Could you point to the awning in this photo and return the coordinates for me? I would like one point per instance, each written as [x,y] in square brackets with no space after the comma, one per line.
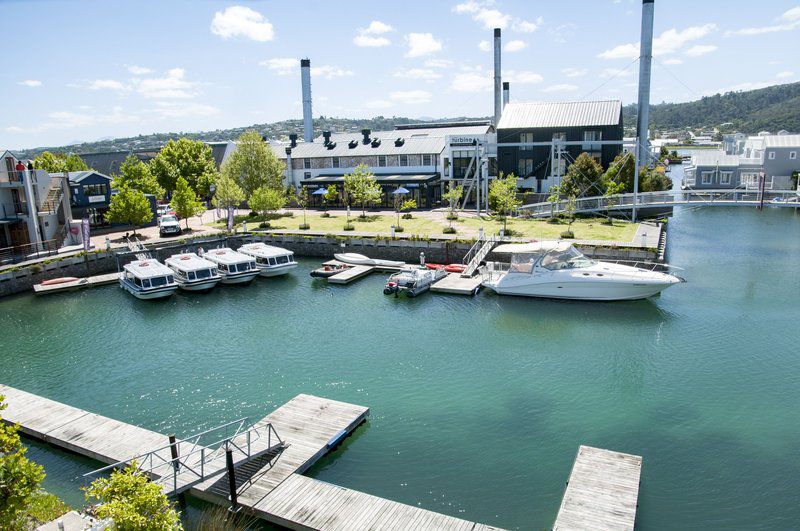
[395,179]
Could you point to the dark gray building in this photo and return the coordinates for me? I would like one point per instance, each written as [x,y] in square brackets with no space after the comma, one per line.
[587,122]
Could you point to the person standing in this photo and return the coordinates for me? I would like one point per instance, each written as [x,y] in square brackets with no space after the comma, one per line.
[20,167]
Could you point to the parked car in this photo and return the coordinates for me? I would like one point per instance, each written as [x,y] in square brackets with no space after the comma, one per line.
[162,209]
[168,224]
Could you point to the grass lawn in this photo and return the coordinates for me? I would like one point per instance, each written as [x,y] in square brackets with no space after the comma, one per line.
[467,227]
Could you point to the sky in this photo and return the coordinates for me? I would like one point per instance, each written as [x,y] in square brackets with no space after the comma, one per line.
[88,70]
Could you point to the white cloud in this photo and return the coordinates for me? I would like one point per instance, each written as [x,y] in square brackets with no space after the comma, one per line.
[14,129]
[330,72]
[673,62]
[524,26]
[426,74]
[485,46]
[30,83]
[106,84]
[241,21]
[410,96]
[420,44]
[472,80]
[523,77]
[139,70]
[668,42]
[283,66]
[788,21]
[700,49]
[172,109]
[615,72]
[492,18]
[784,74]
[564,87]
[366,37]
[515,46]
[563,32]
[173,85]
[574,72]
[483,12]
[379,104]
[438,63]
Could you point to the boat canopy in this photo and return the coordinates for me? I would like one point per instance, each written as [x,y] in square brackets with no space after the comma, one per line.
[227,256]
[262,250]
[147,269]
[189,262]
[533,247]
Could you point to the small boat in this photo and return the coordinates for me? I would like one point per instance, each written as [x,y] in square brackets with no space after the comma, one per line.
[329,270]
[434,266]
[193,273]
[62,280]
[412,280]
[360,259]
[148,279]
[455,268]
[234,268]
[557,270]
[271,261]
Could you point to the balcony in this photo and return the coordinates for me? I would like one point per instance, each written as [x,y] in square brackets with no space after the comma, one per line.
[11,210]
[13,178]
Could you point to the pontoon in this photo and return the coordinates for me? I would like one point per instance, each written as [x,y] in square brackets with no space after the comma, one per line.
[193,273]
[271,261]
[148,279]
[234,268]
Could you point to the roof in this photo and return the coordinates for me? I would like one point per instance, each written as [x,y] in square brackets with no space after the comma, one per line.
[148,268]
[533,247]
[782,141]
[226,255]
[108,162]
[561,114]
[189,262]
[78,176]
[262,250]
[381,179]
[714,158]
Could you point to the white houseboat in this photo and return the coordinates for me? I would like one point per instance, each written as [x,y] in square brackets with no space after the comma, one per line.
[271,261]
[234,267]
[148,279]
[193,273]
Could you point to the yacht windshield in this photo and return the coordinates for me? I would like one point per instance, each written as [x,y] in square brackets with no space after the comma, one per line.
[570,258]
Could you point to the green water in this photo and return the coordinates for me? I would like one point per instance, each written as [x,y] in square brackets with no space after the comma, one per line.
[478,404]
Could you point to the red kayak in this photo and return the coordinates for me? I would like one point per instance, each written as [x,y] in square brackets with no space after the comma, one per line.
[434,266]
[62,280]
[455,268]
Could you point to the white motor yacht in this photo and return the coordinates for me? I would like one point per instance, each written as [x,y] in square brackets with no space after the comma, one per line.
[148,279]
[193,273]
[555,269]
[234,268]
[271,261]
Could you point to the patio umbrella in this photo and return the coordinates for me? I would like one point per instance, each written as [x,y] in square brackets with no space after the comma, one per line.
[399,191]
[319,191]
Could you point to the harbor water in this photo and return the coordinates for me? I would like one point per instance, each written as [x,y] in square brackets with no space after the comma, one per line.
[478,404]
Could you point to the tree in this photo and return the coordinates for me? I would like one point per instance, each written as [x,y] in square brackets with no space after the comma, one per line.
[129,206]
[362,187]
[453,197]
[331,194]
[133,502]
[584,176]
[190,159]
[503,196]
[185,201]
[265,200]
[137,175]
[254,165]
[19,477]
[407,206]
[227,193]
[620,172]
[59,162]
[653,180]
[303,199]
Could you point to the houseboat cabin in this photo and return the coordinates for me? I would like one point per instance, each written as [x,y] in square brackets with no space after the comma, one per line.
[148,279]
[270,261]
[193,273]
[234,268]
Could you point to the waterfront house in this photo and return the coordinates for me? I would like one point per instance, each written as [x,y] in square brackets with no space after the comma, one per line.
[90,196]
[587,122]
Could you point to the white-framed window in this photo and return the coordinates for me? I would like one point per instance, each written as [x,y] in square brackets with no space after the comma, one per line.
[382,161]
[426,159]
[334,162]
[526,137]
[592,136]
[725,177]
[793,155]
[307,164]
[749,180]
[771,155]
[707,177]
[403,160]
[524,167]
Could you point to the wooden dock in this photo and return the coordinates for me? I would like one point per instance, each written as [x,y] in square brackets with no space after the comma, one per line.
[602,491]
[81,283]
[456,284]
[349,275]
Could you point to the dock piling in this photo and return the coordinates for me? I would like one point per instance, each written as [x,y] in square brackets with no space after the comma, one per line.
[231,479]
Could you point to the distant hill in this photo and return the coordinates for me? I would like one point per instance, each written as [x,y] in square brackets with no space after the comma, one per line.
[767,109]
[273,131]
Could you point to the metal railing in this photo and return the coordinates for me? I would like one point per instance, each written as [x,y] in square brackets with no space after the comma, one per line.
[13,176]
[11,210]
[29,251]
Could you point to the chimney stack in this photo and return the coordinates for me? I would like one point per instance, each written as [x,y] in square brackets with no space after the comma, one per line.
[308,119]
[366,133]
[645,63]
[505,93]
[498,105]
[327,136]
[293,140]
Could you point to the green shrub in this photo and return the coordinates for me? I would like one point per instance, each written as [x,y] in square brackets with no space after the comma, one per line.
[408,216]
[325,215]
[35,268]
[399,229]
[304,226]
[349,226]
[568,234]
[449,230]
[452,217]
[252,214]
[263,225]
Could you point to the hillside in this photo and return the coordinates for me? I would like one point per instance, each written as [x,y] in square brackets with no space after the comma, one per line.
[771,109]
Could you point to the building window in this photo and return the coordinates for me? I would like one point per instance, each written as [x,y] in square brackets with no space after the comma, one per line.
[708,177]
[95,189]
[725,177]
[526,137]
[382,161]
[592,136]
[771,155]
[307,164]
[749,180]
[793,155]
[427,160]
[524,167]
[307,175]
[403,160]
[334,162]
[562,137]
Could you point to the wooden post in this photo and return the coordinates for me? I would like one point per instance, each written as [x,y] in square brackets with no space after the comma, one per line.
[231,479]
[173,450]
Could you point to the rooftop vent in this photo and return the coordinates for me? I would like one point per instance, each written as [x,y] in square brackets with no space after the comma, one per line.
[376,142]
[331,145]
[327,136]
[352,144]
[366,133]
[399,142]
[293,140]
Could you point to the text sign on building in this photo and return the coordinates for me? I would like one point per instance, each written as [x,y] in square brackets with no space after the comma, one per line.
[464,140]
[96,198]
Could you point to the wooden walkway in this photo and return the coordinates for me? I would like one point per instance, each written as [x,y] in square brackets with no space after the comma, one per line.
[602,492]
[349,275]
[456,284]
[81,283]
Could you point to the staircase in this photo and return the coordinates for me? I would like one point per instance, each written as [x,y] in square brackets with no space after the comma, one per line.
[138,248]
[476,254]
[52,201]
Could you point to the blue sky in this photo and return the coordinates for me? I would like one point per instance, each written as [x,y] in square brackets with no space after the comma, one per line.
[80,71]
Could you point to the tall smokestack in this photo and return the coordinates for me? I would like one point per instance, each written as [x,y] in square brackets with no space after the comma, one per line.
[645,63]
[308,119]
[498,103]
[505,93]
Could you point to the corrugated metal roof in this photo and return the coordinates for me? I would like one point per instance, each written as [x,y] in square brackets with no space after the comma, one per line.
[78,176]
[561,114]
[714,158]
[782,141]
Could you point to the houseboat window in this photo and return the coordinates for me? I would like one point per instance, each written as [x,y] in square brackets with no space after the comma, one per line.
[145,283]
[223,267]
[725,177]
[191,275]
[307,164]
[95,189]
[203,273]
[523,262]
[334,162]
[793,155]
[426,160]
[137,281]
[252,265]
[272,261]
[708,177]
[283,259]
[159,281]
[403,160]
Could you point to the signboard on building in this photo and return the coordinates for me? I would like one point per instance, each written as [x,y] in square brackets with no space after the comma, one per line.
[96,198]
[85,234]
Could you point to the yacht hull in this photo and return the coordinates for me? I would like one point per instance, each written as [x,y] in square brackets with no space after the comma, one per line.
[239,278]
[151,294]
[606,291]
[274,271]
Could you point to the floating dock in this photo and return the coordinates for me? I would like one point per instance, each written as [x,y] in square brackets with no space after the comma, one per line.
[81,283]
[456,284]
[350,274]
[602,491]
